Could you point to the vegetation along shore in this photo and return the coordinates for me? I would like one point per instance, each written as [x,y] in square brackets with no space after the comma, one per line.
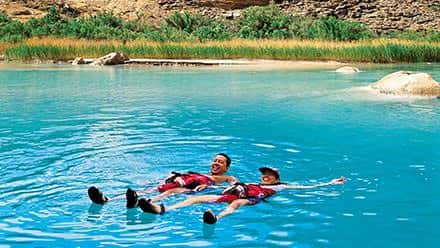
[259,33]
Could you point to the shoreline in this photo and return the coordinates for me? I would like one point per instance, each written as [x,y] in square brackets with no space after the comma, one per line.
[210,63]
[235,63]
[239,64]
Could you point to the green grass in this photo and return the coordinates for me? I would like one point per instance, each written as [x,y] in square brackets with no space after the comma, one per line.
[382,51]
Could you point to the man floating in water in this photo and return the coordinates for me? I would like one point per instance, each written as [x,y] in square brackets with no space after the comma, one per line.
[176,184]
[240,194]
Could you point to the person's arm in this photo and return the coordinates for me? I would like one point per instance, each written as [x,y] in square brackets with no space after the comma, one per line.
[217,179]
[200,187]
[335,181]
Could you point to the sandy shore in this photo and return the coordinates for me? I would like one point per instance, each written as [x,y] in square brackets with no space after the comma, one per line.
[257,64]
[237,63]
[279,64]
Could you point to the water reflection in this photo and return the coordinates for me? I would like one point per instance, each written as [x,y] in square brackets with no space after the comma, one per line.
[135,217]
[208,231]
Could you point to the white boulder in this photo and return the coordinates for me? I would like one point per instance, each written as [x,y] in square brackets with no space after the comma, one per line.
[348,69]
[115,58]
[408,83]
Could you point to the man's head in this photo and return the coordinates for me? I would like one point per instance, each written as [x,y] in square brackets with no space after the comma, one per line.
[269,175]
[220,164]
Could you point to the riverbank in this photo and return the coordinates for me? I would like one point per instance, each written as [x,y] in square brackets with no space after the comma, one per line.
[229,64]
[371,51]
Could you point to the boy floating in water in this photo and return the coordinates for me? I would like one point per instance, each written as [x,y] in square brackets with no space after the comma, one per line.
[238,195]
[176,184]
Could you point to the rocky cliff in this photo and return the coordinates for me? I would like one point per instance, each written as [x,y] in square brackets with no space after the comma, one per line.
[379,15]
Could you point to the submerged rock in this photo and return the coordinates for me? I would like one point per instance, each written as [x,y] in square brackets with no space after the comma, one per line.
[115,58]
[408,83]
[79,61]
[348,69]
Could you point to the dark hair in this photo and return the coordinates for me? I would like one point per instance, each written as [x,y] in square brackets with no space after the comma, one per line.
[228,159]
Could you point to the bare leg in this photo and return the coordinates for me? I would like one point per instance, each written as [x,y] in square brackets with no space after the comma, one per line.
[145,191]
[232,207]
[151,207]
[210,218]
[194,200]
[169,192]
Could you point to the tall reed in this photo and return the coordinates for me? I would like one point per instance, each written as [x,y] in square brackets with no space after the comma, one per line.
[378,51]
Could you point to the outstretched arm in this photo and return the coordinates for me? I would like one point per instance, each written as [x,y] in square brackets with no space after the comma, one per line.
[218,179]
[335,181]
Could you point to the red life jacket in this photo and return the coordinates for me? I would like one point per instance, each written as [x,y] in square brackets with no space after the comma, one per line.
[245,191]
[255,190]
[188,180]
[196,178]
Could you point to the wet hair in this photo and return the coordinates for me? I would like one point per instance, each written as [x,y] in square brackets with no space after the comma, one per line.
[228,159]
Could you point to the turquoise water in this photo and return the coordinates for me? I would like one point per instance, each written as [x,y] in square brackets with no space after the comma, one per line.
[63,129]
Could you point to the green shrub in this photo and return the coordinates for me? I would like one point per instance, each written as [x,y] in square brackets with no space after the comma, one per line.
[214,30]
[4,18]
[52,24]
[11,30]
[264,22]
[168,33]
[433,36]
[330,28]
[271,22]
[184,21]
[53,16]
[267,22]
[197,26]
[430,35]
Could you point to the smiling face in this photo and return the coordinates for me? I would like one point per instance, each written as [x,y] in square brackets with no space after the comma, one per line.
[268,178]
[219,165]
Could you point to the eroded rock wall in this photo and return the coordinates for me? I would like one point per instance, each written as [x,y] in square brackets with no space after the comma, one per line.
[379,15]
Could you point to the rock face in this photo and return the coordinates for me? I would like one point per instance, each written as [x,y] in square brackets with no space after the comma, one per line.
[348,69]
[380,15]
[115,58]
[408,83]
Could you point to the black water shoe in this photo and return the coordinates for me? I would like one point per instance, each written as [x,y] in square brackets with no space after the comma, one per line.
[96,196]
[132,198]
[209,217]
[148,207]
